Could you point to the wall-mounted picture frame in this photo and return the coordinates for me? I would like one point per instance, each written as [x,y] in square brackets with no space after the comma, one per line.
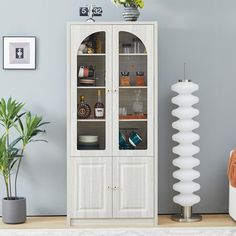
[19,52]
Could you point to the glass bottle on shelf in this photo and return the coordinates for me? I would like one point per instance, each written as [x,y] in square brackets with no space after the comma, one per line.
[125,79]
[138,104]
[99,109]
[137,45]
[99,43]
[126,47]
[140,80]
[84,109]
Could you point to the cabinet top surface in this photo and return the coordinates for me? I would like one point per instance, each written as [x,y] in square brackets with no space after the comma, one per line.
[113,23]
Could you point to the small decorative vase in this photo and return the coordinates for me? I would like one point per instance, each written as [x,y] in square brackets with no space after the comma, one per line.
[131,13]
[14,210]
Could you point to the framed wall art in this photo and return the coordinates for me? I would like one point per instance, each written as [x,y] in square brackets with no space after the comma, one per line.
[19,52]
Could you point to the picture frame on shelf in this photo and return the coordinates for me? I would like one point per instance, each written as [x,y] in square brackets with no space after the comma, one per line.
[19,52]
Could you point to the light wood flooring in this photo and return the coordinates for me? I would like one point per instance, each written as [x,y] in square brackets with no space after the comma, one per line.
[59,222]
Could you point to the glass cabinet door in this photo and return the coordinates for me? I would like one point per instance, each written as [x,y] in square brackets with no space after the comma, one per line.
[91,118]
[133,86]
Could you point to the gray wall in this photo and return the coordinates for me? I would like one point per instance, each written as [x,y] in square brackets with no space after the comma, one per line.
[201,33]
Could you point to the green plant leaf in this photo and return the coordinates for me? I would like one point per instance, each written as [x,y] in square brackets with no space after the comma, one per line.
[13,143]
[9,112]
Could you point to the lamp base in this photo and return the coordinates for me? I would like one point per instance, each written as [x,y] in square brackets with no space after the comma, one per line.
[186,216]
[182,219]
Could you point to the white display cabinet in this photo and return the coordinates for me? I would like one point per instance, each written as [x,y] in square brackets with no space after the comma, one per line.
[112,159]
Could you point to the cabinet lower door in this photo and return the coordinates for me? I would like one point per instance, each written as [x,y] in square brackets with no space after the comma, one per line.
[133,182]
[91,182]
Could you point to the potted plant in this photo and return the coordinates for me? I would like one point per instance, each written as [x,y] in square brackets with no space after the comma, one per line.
[131,12]
[19,128]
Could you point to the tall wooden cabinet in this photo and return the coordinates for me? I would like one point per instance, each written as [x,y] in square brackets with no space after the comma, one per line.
[112,150]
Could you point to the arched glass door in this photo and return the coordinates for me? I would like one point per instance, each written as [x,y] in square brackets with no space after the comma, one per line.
[90,83]
[132,93]
[133,85]
[91,93]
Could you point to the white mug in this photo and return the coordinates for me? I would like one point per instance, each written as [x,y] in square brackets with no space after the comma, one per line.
[81,72]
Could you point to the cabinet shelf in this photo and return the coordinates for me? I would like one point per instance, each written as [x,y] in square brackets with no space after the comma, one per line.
[133,120]
[92,54]
[133,87]
[133,54]
[91,87]
[91,120]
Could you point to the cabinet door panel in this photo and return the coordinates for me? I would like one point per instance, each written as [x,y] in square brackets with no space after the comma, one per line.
[133,194]
[90,181]
[134,84]
[83,121]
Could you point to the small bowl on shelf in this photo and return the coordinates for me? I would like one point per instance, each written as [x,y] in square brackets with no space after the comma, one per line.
[88,142]
[88,138]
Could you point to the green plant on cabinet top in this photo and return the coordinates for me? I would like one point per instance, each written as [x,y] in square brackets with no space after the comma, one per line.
[137,3]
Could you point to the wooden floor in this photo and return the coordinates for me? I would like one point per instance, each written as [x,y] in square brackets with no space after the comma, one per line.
[208,220]
[164,221]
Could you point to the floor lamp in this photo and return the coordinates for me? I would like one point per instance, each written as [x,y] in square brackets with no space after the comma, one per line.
[185,150]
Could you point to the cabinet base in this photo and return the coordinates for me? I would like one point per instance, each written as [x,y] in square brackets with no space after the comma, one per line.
[112,222]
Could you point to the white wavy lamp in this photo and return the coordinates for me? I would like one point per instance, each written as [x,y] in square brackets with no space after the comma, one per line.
[185,150]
